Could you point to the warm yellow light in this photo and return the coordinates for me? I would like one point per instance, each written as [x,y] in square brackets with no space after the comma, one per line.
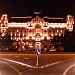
[11,38]
[61,31]
[52,34]
[19,37]
[19,34]
[57,31]
[15,34]
[17,30]
[15,38]
[23,38]
[11,34]
[59,34]
[23,34]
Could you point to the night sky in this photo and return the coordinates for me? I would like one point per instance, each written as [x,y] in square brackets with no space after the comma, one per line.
[47,7]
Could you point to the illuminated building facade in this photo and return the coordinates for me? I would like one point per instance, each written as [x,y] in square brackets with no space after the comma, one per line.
[36,32]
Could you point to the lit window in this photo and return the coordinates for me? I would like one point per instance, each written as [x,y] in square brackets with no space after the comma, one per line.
[23,34]
[52,34]
[19,37]
[57,31]
[15,38]
[17,30]
[11,34]
[23,38]
[11,38]
[15,34]
[19,34]
[61,31]
[59,34]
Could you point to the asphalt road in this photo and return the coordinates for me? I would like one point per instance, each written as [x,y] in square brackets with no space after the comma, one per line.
[6,69]
[49,64]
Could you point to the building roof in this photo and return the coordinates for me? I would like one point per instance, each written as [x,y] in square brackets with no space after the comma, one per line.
[20,19]
[57,20]
[29,19]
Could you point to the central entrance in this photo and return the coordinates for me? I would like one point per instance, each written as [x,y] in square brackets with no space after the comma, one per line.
[37,45]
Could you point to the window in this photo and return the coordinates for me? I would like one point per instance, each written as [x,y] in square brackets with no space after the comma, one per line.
[13,35]
[21,35]
[9,31]
[57,31]
[61,31]
[25,35]
[45,45]
[21,31]
[30,31]
[17,30]
[45,38]
[30,37]
[45,31]
[2,30]
[13,31]
[25,31]
[50,31]
[53,31]
[3,25]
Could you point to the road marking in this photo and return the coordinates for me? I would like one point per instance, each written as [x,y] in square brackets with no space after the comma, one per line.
[12,67]
[19,63]
[47,65]
[68,69]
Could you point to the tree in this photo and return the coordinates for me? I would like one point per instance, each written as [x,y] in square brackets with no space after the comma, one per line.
[5,41]
[57,42]
[65,41]
[69,41]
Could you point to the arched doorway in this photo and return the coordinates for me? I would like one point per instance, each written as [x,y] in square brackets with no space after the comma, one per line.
[37,45]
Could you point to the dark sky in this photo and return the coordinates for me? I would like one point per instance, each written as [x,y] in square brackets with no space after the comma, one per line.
[47,7]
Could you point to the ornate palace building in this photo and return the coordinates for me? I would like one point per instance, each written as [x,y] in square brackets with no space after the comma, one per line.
[35,31]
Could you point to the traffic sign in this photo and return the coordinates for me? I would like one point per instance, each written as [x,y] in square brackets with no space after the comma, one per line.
[38,52]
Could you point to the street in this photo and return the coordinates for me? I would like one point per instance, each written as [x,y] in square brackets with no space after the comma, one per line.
[48,64]
[6,69]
